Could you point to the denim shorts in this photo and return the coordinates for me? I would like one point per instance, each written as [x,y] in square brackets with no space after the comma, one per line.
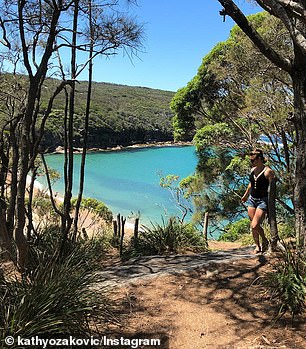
[261,203]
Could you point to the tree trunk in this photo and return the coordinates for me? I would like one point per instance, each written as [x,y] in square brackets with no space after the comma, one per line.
[30,226]
[299,119]
[10,217]
[205,226]
[20,210]
[86,123]
[67,220]
[5,241]
[272,215]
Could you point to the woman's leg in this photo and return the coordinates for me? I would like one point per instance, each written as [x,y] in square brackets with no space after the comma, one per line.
[251,214]
[257,230]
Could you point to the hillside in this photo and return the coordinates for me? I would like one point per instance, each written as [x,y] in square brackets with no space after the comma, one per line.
[121,115]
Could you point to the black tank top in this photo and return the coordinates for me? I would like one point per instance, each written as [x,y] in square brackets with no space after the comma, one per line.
[259,187]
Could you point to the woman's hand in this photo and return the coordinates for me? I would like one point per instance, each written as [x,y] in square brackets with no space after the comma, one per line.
[244,198]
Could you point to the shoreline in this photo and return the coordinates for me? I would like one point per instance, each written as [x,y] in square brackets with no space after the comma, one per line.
[60,149]
[145,221]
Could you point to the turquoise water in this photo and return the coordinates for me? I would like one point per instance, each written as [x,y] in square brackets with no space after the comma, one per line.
[128,181]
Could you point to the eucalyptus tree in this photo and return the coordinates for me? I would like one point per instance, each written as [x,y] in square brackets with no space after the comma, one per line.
[37,38]
[236,97]
[293,16]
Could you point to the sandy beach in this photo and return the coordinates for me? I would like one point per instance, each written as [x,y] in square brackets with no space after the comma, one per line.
[60,149]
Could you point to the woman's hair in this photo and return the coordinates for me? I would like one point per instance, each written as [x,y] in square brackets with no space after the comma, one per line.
[259,153]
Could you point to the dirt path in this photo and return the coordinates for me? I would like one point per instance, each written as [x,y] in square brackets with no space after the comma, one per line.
[199,301]
[142,268]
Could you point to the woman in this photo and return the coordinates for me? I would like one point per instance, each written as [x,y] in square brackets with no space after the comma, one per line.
[256,196]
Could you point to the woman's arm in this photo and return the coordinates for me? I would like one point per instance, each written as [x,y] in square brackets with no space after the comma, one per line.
[246,194]
[270,175]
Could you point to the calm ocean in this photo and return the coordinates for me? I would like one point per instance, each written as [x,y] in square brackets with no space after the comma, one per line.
[127,181]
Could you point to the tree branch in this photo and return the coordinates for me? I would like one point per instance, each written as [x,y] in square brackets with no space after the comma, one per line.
[294,7]
[280,8]
[50,186]
[234,12]
[4,41]
[23,39]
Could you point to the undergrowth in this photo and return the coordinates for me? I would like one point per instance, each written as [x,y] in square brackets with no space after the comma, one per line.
[170,237]
[55,298]
[286,283]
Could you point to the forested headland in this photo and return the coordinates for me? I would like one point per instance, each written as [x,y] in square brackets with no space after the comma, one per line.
[120,115]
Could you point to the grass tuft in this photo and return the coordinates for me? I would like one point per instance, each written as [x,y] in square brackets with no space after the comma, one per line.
[167,238]
[286,283]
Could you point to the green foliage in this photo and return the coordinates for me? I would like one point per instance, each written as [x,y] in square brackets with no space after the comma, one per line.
[286,230]
[230,88]
[55,297]
[246,240]
[286,283]
[96,207]
[239,164]
[285,220]
[54,300]
[234,231]
[120,115]
[187,102]
[169,237]
[237,97]
[211,135]
[180,194]
[89,251]
[43,208]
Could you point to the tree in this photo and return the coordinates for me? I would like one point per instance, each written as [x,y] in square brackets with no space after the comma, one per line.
[236,97]
[292,15]
[35,37]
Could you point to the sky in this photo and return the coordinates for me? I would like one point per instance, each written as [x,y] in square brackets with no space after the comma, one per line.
[177,35]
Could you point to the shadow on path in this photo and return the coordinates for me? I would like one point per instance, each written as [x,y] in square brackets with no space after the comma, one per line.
[148,266]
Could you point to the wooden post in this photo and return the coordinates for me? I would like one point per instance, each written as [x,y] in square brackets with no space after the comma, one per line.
[272,215]
[136,227]
[115,228]
[123,220]
[119,225]
[85,235]
[205,226]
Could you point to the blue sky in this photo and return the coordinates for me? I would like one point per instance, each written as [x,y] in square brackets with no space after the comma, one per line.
[178,34]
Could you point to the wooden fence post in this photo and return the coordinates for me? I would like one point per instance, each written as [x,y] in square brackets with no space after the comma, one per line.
[115,228]
[136,229]
[119,225]
[272,215]
[123,220]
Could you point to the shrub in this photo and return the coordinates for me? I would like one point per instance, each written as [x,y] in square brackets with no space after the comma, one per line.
[55,299]
[96,207]
[234,231]
[89,251]
[43,208]
[286,283]
[286,230]
[169,237]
